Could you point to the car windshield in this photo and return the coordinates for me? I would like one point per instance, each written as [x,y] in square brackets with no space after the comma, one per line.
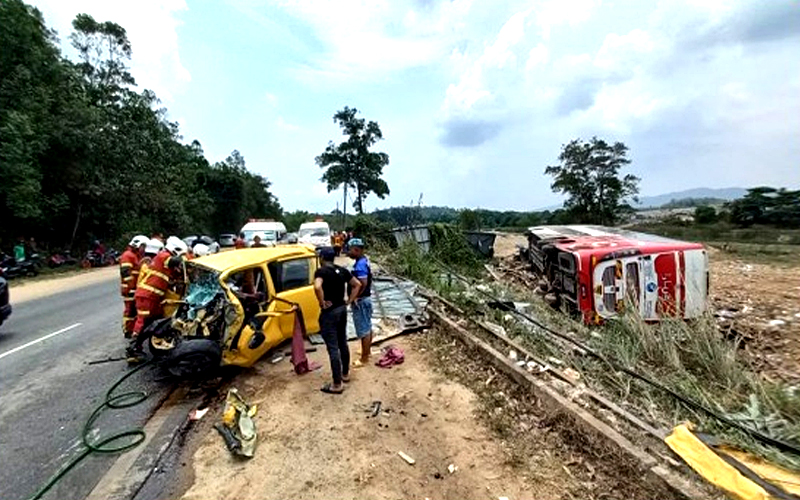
[316,231]
[203,285]
[268,235]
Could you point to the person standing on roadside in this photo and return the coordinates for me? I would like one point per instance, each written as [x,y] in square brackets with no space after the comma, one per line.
[129,264]
[361,307]
[330,281]
[258,241]
[239,243]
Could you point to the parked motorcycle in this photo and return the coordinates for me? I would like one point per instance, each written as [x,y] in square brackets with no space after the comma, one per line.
[13,269]
[60,259]
[96,259]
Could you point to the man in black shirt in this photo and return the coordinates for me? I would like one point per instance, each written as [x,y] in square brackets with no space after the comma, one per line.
[329,285]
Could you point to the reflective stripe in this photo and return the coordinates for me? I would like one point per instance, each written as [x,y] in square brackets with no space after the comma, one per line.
[127,318]
[159,274]
[127,299]
[126,264]
[143,313]
[134,272]
[127,278]
[149,288]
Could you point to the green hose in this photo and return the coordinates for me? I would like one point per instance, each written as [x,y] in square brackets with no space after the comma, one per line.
[132,437]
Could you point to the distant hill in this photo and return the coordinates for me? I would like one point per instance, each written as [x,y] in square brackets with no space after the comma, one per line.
[725,194]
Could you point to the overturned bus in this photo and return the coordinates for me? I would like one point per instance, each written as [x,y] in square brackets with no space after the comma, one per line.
[599,271]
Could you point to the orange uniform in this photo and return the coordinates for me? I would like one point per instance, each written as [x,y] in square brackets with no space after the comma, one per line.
[129,275]
[163,270]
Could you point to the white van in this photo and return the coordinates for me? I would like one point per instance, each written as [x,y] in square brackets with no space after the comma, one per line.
[272,231]
[316,233]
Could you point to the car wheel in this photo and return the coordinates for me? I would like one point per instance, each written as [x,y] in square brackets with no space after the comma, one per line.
[194,358]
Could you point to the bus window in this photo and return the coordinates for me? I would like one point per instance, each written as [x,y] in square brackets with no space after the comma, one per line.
[632,288]
[609,289]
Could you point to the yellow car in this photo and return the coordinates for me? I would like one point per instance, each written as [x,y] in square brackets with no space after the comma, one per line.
[236,306]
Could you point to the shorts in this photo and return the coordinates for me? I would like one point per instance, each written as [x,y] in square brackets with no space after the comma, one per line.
[362,316]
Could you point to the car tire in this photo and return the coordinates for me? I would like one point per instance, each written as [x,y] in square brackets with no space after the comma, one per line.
[194,358]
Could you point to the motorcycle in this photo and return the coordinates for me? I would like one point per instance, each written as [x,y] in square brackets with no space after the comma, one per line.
[59,259]
[96,259]
[13,269]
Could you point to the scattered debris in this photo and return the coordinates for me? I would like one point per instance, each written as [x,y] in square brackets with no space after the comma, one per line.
[512,354]
[452,468]
[238,428]
[497,329]
[107,360]
[407,458]
[375,409]
[571,374]
[198,413]
[276,359]
[391,355]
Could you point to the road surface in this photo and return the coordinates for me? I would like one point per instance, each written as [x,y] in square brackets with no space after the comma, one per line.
[47,389]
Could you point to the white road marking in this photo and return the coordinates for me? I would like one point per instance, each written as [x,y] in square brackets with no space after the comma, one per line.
[40,339]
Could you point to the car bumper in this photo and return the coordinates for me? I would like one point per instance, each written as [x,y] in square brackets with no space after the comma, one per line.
[5,312]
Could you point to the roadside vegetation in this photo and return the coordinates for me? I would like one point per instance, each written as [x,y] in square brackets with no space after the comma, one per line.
[85,154]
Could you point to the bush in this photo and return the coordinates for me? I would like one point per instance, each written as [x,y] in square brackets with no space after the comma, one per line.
[705,215]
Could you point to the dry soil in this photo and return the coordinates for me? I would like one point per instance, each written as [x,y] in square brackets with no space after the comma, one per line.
[315,445]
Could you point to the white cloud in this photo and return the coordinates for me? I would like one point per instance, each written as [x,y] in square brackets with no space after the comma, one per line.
[152,30]
[368,40]
[552,14]
[281,123]
[538,56]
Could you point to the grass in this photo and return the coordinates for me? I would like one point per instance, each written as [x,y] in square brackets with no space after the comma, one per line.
[760,253]
[721,232]
[692,358]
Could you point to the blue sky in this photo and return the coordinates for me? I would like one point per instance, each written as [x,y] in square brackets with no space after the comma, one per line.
[475,98]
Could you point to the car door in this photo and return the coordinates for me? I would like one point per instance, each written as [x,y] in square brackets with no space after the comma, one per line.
[256,331]
[293,283]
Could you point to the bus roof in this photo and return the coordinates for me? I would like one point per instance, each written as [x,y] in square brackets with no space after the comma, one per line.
[600,239]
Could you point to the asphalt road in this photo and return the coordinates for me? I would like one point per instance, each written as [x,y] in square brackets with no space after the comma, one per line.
[47,389]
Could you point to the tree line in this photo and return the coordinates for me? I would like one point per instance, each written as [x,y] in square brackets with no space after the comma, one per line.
[85,155]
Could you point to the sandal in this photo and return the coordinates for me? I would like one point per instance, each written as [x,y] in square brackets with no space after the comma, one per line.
[328,389]
[358,364]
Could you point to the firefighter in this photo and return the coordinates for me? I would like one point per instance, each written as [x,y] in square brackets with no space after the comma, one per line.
[150,251]
[129,276]
[163,271]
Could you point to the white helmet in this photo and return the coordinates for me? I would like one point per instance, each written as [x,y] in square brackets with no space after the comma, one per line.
[139,240]
[176,245]
[200,249]
[153,246]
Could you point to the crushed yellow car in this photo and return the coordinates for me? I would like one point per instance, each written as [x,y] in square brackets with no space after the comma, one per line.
[235,307]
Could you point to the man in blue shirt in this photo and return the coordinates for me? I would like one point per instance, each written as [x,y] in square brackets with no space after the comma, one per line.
[361,308]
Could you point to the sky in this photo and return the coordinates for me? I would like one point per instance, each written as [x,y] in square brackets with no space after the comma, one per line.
[474,98]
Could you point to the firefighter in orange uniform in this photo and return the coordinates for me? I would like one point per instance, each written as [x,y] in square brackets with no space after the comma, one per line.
[129,275]
[164,270]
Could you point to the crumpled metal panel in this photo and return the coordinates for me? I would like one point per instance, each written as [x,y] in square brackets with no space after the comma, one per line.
[396,306]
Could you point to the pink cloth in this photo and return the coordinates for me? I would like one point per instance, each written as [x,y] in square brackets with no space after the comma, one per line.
[299,359]
[392,355]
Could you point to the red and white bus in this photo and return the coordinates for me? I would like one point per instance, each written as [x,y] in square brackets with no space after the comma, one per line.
[597,270]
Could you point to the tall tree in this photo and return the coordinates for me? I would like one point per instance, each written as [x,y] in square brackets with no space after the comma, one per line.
[589,174]
[351,164]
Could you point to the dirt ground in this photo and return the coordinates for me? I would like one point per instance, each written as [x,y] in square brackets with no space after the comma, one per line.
[316,445]
[759,304]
